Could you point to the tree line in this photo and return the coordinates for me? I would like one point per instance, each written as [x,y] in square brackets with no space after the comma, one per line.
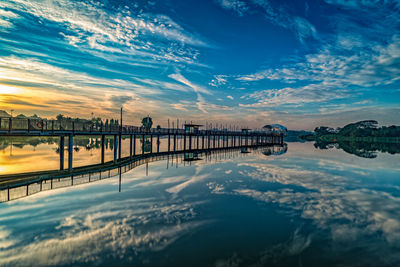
[367,128]
[96,121]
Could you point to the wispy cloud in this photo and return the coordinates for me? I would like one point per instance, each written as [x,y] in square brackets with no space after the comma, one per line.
[240,7]
[199,90]
[6,18]
[281,17]
[218,80]
[278,15]
[120,30]
[347,66]
[294,96]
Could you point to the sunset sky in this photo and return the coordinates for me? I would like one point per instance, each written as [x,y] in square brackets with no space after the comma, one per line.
[298,63]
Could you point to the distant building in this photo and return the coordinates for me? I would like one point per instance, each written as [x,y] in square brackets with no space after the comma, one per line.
[4,114]
[275,128]
[192,128]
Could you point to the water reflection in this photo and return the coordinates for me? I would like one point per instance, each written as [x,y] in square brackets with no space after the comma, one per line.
[361,149]
[306,207]
[275,150]
[29,154]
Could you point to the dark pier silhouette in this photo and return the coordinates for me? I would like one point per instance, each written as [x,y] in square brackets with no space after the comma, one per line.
[195,141]
[210,138]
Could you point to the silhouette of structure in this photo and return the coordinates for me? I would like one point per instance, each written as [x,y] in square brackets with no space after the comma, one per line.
[210,138]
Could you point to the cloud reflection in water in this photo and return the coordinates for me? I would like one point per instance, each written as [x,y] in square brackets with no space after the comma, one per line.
[293,208]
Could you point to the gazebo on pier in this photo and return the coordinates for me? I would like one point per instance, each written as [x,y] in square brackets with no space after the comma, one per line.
[245,130]
[192,128]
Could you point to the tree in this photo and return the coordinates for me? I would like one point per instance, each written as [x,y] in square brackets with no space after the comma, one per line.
[323,130]
[147,122]
[60,117]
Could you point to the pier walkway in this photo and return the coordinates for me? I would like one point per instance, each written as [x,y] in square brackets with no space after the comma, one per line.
[191,133]
[15,186]
[188,142]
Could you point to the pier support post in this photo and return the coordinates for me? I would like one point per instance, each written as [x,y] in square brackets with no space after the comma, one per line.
[169,141]
[190,142]
[143,143]
[120,146]
[103,141]
[151,144]
[174,142]
[115,148]
[61,151]
[70,151]
[158,143]
[134,144]
[130,145]
[202,141]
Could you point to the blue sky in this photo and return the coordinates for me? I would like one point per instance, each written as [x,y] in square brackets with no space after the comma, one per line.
[299,63]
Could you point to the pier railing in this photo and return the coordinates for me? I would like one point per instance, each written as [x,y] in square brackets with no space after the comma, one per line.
[192,138]
[10,125]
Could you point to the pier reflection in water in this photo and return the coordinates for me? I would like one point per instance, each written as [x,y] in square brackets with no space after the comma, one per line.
[306,207]
[28,186]
[28,154]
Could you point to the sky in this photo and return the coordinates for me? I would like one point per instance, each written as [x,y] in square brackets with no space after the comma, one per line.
[298,63]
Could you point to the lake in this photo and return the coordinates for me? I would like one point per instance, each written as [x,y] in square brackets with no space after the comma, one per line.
[305,207]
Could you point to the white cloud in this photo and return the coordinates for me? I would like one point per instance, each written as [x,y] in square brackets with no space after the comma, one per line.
[331,72]
[102,29]
[6,18]
[294,96]
[240,7]
[218,80]
[196,88]
[180,106]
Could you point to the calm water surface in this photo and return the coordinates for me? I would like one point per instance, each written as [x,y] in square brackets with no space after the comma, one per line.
[307,207]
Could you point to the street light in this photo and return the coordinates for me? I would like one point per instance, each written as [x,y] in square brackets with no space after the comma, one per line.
[11,112]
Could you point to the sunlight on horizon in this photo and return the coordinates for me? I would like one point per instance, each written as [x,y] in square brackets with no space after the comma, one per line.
[6,89]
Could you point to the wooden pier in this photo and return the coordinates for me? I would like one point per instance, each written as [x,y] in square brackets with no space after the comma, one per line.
[211,138]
